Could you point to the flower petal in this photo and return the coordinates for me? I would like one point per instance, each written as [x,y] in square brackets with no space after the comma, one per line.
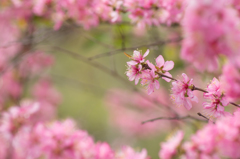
[130,63]
[165,78]
[160,61]
[156,82]
[146,53]
[187,104]
[168,65]
[185,78]
[150,88]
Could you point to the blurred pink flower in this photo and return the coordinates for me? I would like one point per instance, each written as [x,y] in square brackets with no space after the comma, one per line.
[128,153]
[230,80]
[169,148]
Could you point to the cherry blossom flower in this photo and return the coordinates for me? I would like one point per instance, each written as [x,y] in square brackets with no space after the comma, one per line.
[169,148]
[138,57]
[134,72]
[150,78]
[182,93]
[217,100]
[16,118]
[163,67]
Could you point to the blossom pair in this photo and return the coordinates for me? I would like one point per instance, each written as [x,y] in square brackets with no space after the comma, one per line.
[148,72]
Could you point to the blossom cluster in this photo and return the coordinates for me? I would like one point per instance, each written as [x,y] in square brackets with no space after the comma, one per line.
[24,137]
[149,73]
[182,90]
[210,30]
[220,140]
[89,13]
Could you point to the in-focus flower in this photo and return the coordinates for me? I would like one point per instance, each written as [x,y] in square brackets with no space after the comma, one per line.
[182,92]
[163,67]
[138,57]
[134,72]
[150,78]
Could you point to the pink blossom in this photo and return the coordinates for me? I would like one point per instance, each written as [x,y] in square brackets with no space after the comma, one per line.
[16,118]
[220,140]
[210,29]
[182,93]
[230,80]
[138,57]
[169,148]
[44,90]
[202,144]
[128,153]
[163,67]
[134,72]
[150,78]
[217,100]
[135,66]
[103,151]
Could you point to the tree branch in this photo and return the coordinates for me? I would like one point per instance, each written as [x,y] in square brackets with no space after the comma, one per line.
[110,53]
[174,118]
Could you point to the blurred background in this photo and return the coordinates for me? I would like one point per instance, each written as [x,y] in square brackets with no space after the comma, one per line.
[89,72]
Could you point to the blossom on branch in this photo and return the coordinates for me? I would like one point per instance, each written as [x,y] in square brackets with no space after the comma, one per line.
[163,67]
[217,100]
[182,93]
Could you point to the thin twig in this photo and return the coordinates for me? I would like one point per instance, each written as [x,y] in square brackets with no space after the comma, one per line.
[235,104]
[132,48]
[199,89]
[199,114]
[173,118]
[202,90]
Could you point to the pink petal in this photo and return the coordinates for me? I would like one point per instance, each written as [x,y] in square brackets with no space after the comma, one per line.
[130,63]
[156,82]
[192,96]
[168,65]
[150,88]
[224,101]
[185,78]
[146,53]
[167,74]
[187,104]
[160,61]
[207,105]
[137,79]
[151,66]
[220,108]
[136,54]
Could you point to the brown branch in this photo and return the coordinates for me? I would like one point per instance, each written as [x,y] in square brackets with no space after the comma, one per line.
[202,90]
[162,75]
[110,53]
[145,66]
[173,118]
[199,114]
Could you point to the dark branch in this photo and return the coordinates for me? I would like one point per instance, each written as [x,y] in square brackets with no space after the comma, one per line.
[173,118]
[132,48]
